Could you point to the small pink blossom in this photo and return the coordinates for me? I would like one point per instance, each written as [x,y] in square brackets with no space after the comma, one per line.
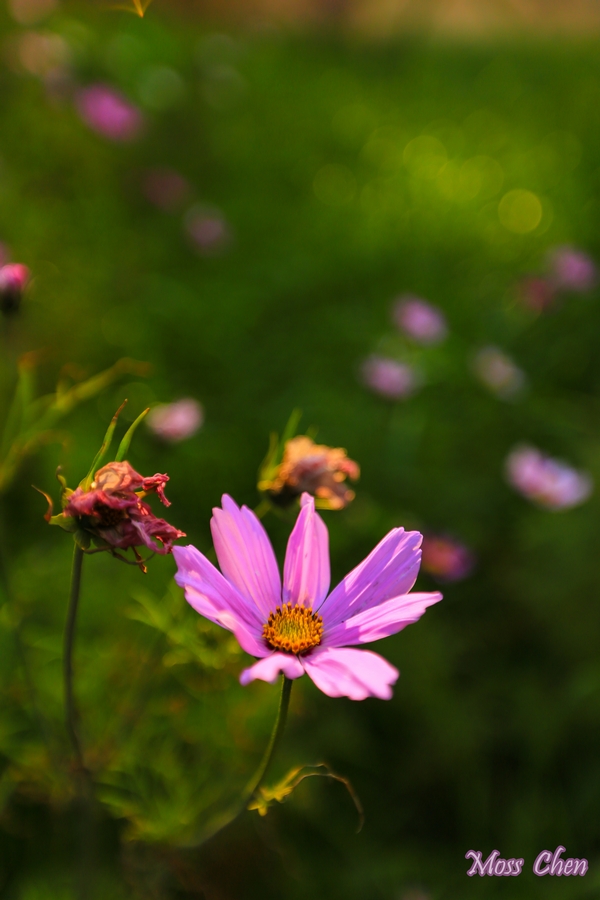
[498,372]
[572,269]
[445,558]
[208,230]
[420,320]
[548,482]
[109,113]
[165,188]
[299,627]
[177,421]
[389,377]
[13,280]
[536,294]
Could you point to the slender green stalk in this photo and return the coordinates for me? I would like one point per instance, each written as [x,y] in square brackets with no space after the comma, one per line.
[278,729]
[257,779]
[71,715]
[262,509]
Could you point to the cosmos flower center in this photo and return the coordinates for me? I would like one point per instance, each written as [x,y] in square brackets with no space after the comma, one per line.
[293,629]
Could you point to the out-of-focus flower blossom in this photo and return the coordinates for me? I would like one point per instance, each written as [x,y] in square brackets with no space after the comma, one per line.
[536,294]
[420,320]
[571,269]
[165,188]
[113,514]
[208,230]
[548,482]
[445,558]
[29,12]
[177,421]
[301,629]
[43,54]
[312,468]
[13,280]
[109,113]
[498,372]
[389,377]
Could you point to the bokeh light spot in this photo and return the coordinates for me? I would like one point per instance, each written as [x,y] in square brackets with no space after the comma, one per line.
[425,156]
[520,211]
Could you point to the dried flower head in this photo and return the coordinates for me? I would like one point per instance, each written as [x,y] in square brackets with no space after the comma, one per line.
[108,510]
[314,469]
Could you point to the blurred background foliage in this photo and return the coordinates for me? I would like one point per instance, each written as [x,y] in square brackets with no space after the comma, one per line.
[334,174]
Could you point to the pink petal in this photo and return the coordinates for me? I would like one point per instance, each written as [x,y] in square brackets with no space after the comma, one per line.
[342,672]
[268,669]
[216,599]
[306,573]
[380,621]
[246,557]
[390,570]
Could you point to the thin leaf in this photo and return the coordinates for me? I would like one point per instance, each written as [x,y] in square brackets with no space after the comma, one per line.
[124,445]
[99,457]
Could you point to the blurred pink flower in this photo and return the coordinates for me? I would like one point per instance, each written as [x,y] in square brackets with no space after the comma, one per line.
[109,113]
[446,559]
[548,482]
[420,320]
[498,372]
[165,188]
[13,280]
[572,269]
[208,230]
[537,294]
[389,377]
[177,421]
[299,627]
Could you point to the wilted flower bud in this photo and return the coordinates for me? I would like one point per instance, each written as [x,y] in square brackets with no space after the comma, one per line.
[312,468]
[547,482]
[420,320]
[445,558]
[13,279]
[108,510]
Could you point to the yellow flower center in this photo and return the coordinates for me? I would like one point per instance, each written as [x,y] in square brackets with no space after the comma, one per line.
[294,629]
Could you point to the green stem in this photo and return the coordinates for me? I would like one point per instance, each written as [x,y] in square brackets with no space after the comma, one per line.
[71,715]
[262,509]
[257,779]
[278,729]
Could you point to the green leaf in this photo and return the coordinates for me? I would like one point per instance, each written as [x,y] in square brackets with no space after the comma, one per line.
[99,458]
[124,445]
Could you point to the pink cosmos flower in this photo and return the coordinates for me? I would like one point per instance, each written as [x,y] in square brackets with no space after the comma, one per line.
[389,377]
[548,482]
[420,320]
[176,421]
[300,628]
[446,559]
[571,269]
[13,280]
[109,113]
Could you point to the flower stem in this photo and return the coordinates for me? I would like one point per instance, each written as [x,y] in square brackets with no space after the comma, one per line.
[71,715]
[278,729]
